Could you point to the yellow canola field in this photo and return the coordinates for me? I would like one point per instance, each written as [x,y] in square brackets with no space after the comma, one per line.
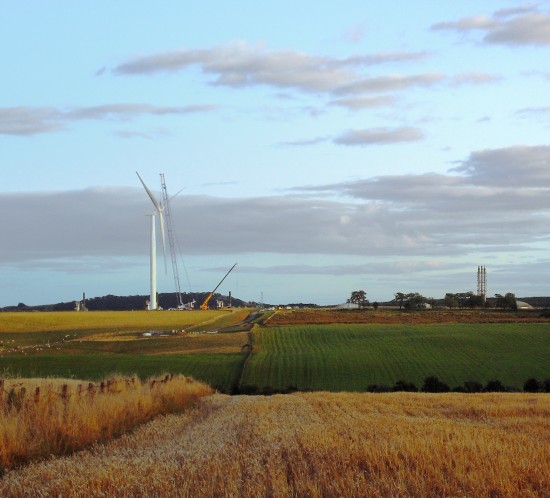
[318,445]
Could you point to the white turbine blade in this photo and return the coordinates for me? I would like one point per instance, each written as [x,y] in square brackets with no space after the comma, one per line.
[162,231]
[153,200]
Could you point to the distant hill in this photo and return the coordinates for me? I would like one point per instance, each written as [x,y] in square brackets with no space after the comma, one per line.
[169,300]
[128,303]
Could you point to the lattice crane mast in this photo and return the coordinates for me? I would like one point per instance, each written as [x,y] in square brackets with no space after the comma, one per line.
[171,239]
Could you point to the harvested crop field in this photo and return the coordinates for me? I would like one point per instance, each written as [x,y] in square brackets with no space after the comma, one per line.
[316,316]
[317,444]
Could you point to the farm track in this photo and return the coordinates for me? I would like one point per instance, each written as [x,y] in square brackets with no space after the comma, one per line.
[316,444]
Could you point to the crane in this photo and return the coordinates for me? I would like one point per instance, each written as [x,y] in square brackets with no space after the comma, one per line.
[171,239]
[204,305]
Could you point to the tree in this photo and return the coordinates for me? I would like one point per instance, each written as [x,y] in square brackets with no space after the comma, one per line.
[494,386]
[532,385]
[402,385]
[399,297]
[432,384]
[359,297]
[463,300]
[451,301]
[473,386]
[415,301]
[508,301]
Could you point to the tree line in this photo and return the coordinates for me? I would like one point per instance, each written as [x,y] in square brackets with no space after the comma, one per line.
[433,384]
[415,300]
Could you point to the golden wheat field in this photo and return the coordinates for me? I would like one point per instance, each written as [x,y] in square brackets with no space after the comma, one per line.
[41,417]
[316,445]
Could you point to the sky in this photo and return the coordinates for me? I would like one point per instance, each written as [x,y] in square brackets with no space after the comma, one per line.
[325,147]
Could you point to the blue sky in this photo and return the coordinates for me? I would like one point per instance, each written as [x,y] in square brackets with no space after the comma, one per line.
[326,148]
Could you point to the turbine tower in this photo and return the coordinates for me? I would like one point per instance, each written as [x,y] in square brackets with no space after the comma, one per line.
[153,304]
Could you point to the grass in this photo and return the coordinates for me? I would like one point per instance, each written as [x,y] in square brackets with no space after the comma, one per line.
[59,422]
[317,444]
[346,357]
[220,370]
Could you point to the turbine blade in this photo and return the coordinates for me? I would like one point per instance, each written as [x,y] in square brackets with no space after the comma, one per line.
[152,197]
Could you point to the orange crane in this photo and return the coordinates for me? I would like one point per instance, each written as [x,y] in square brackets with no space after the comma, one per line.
[204,305]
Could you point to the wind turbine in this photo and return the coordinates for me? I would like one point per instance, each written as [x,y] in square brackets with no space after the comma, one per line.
[153,305]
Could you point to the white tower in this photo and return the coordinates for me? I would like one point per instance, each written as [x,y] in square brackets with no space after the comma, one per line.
[153,305]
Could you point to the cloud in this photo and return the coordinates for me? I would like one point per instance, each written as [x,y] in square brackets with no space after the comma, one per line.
[243,65]
[466,24]
[394,82]
[370,268]
[474,79]
[360,103]
[129,134]
[379,136]
[30,120]
[534,111]
[304,143]
[129,111]
[517,26]
[512,167]
[494,200]
[36,120]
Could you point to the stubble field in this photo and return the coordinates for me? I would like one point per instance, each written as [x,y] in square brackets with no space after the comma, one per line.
[318,445]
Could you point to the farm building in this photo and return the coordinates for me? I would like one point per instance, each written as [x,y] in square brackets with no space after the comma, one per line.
[348,306]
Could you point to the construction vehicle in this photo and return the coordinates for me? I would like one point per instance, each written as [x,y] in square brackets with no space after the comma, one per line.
[204,305]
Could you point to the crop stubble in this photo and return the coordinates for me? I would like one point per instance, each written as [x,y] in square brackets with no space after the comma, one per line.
[317,444]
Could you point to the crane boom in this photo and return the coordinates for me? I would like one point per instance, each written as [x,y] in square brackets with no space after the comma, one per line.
[204,305]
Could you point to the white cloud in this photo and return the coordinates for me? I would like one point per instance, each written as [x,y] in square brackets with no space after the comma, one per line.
[243,65]
[474,79]
[29,120]
[517,26]
[360,103]
[36,120]
[494,200]
[379,136]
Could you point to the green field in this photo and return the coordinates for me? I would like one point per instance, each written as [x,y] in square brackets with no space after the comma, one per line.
[351,357]
[219,370]
[336,357]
